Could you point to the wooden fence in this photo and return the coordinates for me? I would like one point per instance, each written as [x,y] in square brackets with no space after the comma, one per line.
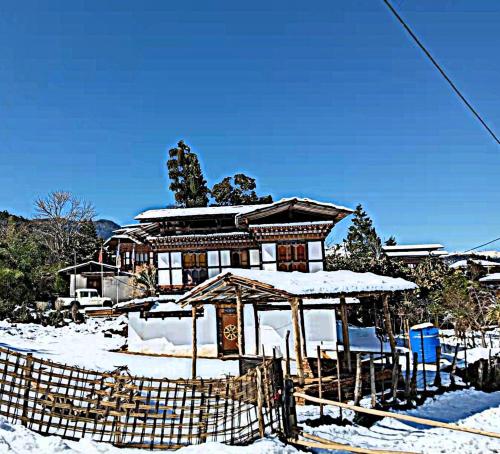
[139,412]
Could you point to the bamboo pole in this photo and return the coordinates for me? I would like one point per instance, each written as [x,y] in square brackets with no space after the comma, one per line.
[399,416]
[395,377]
[195,343]
[303,328]
[345,334]
[323,443]
[240,322]
[320,379]
[260,403]
[294,303]
[388,324]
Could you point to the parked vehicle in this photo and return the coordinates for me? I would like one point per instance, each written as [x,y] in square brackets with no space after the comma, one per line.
[85,297]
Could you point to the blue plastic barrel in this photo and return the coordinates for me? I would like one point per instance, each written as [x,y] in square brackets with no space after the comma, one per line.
[425,335]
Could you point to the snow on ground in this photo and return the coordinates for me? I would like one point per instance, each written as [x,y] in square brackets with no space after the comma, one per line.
[16,439]
[85,345]
[468,408]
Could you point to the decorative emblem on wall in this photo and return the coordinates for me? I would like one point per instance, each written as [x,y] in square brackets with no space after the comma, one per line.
[230,332]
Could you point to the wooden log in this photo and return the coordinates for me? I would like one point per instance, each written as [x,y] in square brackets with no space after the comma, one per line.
[388,323]
[399,416]
[454,365]
[26,382]
[297,342]
[422,357]
[345,334]
[195,343]
[320,379]
[240,321]
[358,383]
[373,386]
[407,377]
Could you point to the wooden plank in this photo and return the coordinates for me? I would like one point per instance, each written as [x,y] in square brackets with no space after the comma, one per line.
[294,303]
[401,417]
[240,321]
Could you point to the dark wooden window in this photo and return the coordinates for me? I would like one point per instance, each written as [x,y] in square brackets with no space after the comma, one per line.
[292,257]
[194,268]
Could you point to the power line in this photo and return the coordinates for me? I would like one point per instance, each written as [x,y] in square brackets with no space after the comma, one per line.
[441,70]
[481,245]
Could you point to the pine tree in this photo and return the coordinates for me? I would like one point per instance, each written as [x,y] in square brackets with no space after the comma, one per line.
[237,190]
[187,181]
[391,241]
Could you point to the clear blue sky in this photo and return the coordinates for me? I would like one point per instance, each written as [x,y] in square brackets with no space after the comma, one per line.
[325,99]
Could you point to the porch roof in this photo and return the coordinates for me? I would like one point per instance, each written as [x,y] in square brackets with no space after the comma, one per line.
[261,286]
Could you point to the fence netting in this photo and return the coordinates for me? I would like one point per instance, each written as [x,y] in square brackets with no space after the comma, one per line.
[131,411]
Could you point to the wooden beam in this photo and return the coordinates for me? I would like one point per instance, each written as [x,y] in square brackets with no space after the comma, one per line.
[195,344]
[388,324]
[399,416]
[240,321]
[257,327]
[345,334]
[294,303]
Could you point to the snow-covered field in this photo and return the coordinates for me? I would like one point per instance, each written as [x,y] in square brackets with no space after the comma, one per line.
[86,345]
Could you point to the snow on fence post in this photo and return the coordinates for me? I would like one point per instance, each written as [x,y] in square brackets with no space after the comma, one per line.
[26,374]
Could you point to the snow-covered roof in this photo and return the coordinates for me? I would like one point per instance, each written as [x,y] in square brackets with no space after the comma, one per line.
[412,247]
[165,213]
[89,263]
[322,284]
[415,253]
[137,303]
[464,263]
[494,277]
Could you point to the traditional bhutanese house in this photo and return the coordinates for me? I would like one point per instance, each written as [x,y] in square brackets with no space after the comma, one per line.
[413,254]
[241,300]
[492,281]
[189,245]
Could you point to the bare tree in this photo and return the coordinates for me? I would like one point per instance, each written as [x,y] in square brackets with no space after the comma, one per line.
[63,222]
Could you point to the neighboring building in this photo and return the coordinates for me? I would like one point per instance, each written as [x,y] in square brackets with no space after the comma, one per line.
[189,245]
[108,280]
[492,281]
[412,254]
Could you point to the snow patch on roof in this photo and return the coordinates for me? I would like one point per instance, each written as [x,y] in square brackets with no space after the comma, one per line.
[490,278]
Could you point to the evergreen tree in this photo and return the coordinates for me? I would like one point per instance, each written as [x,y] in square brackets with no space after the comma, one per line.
[187,181]
[237,190]
[391,241]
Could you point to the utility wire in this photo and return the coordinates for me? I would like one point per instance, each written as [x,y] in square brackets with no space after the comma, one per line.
[441,70]
[481,245]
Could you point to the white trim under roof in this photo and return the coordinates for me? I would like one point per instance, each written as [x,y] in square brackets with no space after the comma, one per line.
[412,247]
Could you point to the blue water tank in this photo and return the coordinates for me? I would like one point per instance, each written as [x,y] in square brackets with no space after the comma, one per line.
[425,335]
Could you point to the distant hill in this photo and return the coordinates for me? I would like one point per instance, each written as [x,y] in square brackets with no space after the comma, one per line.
[105,228]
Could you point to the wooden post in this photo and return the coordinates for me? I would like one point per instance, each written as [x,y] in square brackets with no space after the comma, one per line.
[195,343]
[287,347]
[395,377]
[303,328]
[27,376]
[339,385]
[413,387]
[373,387]
[388,324]
[437,379]
[260,402]
[345,334]
[320,380]
[240,322]
[454,366]
[297,342]
[407,377]
[358,383]
[257,327]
